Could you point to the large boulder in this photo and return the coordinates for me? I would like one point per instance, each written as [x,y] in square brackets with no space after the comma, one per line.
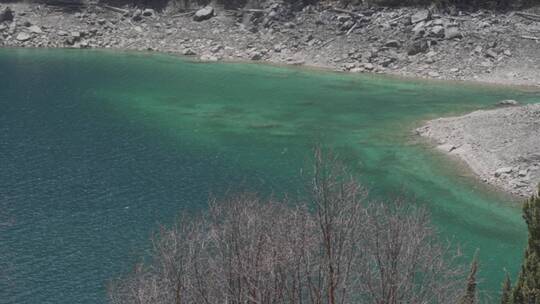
[418,46]
[421,15]
[452,32]
[204,13]
[23,36]
[35,29]
[6,14]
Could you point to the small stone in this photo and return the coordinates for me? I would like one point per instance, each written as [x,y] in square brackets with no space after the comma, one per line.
[148,12]
[392,43]
[522,173]
[433,74]
[188,52]
[368,66]
[350,66]
[255,56]
[490,53]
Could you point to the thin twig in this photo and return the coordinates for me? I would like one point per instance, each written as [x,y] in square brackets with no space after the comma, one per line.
[351,29]
[531,38]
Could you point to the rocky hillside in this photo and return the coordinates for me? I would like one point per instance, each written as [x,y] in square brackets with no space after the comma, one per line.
[445,44]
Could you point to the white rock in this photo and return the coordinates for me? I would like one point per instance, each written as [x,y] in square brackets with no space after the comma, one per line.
[204,13]
[504,170]
[23,37]
[35,29]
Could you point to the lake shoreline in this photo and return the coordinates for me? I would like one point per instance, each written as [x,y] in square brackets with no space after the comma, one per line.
[478,47]
[498,145]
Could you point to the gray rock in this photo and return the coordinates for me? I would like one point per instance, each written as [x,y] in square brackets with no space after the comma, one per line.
[35,29]
[204,13]
[255,56]
[392,44]
[418,46]
[137,15]
[148,12]
[368,66]
[188,52]
[6,14]
[490,53]
[452,32]
[419,29]
[23,36]
[434,75]
[420,16]
[504,170]
[437,31]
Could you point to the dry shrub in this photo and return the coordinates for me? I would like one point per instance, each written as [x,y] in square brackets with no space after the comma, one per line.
[337,248]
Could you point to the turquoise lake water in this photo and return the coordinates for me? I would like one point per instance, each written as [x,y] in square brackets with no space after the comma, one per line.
[98,148]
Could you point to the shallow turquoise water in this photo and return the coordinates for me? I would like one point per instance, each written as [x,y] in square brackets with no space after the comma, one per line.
[97,148]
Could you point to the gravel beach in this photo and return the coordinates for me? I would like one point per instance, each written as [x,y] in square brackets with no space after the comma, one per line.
[501,146]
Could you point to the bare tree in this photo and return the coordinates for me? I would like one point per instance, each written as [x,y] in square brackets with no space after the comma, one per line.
[335,248]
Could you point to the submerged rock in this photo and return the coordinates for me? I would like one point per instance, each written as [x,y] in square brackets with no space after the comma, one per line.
[508,102]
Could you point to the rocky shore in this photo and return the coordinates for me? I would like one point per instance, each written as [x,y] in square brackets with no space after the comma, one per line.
[502,146]
[484,45]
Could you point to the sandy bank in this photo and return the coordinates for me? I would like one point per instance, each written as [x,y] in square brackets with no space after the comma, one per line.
[502,146]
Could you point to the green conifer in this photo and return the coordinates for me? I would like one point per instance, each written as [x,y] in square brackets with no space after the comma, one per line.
[506,296]
[527,289]
[470,292]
